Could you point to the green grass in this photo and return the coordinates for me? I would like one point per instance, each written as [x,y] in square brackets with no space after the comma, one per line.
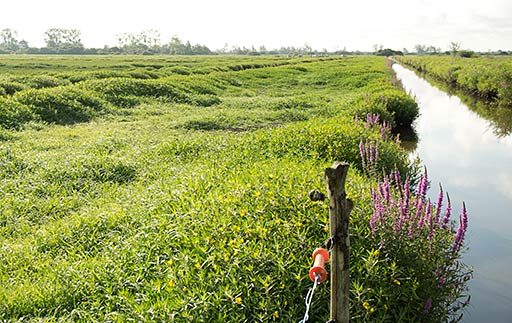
[488,78]
[178,197]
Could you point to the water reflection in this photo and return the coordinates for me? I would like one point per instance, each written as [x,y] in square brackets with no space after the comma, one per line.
[472,158]
[500,118]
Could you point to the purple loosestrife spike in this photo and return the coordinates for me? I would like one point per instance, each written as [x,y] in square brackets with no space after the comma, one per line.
[397,226]
[407,191]
[441,281]
[427,306]
[410,233]
[392,203]
[419,215]
[428,215]
[461,230]
[422,189]
[398,182]
[439,205]
[387,191]
[380,186]
[372,157]
[372,223]
[404,214]
[378,210]
[383,133]
[446,219]
[363,156]
[377,152]
[357,119]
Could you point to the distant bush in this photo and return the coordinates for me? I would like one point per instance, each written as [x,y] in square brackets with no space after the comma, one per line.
[466,53]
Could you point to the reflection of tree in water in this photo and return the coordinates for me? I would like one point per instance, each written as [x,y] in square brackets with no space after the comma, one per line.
[499,117]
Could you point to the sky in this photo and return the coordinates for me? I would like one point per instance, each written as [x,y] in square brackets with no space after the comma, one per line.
[330,24]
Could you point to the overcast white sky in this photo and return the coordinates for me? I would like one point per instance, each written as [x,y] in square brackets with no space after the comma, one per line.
[331,24]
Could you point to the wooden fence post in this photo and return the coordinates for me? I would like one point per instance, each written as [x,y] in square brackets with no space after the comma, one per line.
[339,211]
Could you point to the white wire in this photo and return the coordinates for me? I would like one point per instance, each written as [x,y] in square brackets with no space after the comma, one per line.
[309,299]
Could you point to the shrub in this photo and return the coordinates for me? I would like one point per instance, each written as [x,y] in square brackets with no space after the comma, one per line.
[42,81]
[331,139]
[368,106]
[10,87]
[403,108]
[13,114]
[116,90]
[414,266]
[62,105]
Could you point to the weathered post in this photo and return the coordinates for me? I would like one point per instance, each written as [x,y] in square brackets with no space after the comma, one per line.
[339,211]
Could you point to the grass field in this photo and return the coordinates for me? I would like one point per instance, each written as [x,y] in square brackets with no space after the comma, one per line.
[175,188]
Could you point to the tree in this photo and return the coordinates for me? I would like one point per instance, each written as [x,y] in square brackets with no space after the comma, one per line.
[454,48]
[60,39]
[147,41]
[420,49]
[176,46]
[9,41]
[388,52]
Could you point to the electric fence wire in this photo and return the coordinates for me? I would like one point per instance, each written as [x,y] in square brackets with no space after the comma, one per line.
[309,299]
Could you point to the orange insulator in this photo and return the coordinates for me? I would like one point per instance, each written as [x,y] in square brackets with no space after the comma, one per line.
[321,256]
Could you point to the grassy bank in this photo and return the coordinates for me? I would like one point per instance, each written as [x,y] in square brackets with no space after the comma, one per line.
[183,197]
[489,78]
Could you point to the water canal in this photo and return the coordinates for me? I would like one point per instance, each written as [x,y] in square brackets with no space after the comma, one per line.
[472,158]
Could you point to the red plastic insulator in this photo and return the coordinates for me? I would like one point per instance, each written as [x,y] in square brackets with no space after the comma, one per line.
[321,256]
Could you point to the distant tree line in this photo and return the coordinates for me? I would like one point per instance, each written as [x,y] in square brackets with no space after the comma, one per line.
[148,42]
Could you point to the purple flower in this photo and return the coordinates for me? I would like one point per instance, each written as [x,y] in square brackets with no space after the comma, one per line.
[419,209]
[439,205]
[423,186]
[461,230]
[427,306]
[398,182]
[410,233]
[377,150]
[378,212]
[428,214]
[441,281]
[361,152]
[446,219]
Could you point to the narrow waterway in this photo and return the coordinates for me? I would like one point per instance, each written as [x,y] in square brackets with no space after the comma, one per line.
[474,164]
